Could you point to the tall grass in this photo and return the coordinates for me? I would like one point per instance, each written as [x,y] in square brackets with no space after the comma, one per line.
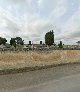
[35,58]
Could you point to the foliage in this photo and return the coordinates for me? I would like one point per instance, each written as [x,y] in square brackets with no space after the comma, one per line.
[8,45]
[16,41]
[49,38]
[3,41]
[13,42]
[60,44]
[19,40]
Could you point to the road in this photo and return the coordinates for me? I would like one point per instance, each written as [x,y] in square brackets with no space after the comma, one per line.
[57,79]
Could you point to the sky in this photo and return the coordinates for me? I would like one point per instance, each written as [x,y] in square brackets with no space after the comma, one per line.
[31,19]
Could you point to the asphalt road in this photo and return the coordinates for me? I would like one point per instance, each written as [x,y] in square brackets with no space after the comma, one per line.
[57,79]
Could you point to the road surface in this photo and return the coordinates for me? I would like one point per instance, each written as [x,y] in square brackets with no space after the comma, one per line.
[57,79]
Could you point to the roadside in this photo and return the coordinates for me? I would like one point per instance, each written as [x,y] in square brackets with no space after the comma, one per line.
[17,62]
[23,82]
[28,69]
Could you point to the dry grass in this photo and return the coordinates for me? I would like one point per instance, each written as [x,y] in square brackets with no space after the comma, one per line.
[24,59]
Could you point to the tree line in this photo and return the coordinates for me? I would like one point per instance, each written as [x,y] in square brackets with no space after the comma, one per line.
[49,40]
[13,41]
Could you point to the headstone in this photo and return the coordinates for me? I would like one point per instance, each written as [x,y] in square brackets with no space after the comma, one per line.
[40,42]
[29,42]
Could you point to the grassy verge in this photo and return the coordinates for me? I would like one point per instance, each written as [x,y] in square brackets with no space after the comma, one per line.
[15,62]
[27,69]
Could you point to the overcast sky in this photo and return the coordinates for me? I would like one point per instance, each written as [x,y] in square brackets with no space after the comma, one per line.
[31,19]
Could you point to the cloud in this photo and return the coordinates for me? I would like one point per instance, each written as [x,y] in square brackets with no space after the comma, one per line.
[30,26]
[71,29]
[31,19]
[35,27]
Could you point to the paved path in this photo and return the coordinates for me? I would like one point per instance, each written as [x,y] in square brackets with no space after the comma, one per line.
[58,79]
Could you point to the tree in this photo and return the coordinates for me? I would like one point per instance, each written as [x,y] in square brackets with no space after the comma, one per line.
[49,38]
[3,41]
[13,42]
[19,40]
[60,45]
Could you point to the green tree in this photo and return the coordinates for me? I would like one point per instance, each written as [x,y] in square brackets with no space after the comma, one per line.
[60,44]
[19,40]
[13,42]
[49,38]
[3,41]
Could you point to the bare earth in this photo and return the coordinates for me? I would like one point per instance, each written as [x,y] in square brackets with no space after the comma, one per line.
[10,60]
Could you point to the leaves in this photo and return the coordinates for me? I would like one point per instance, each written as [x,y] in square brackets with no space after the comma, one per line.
[49,38]
[3,41]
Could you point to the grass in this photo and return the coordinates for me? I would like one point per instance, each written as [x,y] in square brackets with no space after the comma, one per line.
[11,60]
